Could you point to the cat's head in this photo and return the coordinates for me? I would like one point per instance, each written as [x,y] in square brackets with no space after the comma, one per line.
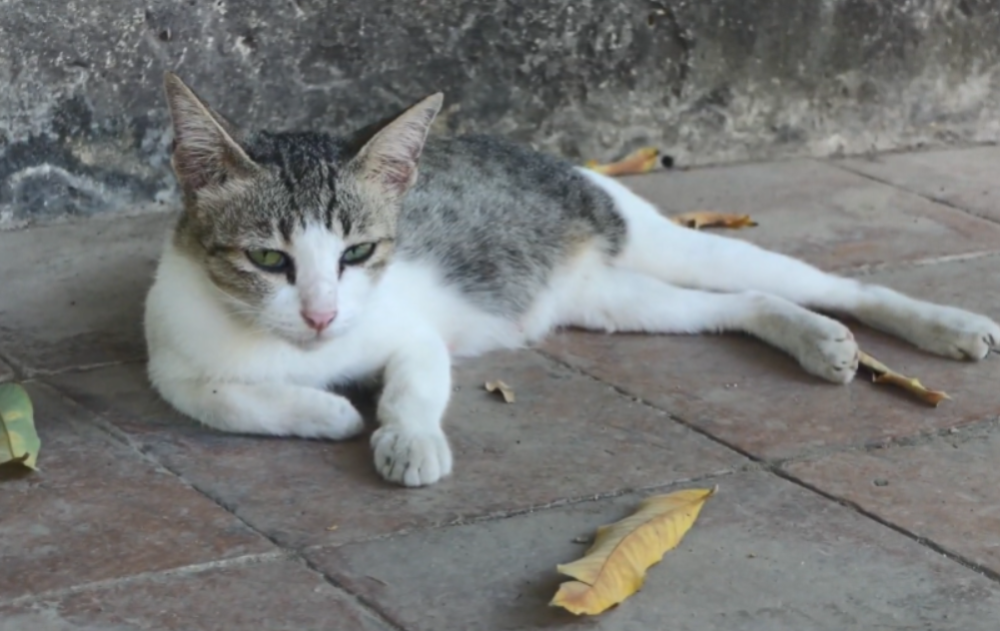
[294,230]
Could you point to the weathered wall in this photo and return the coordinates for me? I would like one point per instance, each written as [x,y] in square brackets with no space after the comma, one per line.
[83,126]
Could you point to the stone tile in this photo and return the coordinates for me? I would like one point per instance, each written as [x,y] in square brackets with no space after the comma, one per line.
[966,178]
[96,510]
[765,555]
[943,490]
[278,596]
[73,294]
[566,436]
[759,400]
[822,214]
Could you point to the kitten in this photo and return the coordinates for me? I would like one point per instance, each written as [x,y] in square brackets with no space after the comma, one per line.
[303,261]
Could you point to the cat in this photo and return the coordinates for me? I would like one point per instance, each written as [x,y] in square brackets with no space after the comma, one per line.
[302,261]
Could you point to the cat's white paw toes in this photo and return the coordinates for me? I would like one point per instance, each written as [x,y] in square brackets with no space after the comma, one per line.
[336,419]
[957,334]
[411,458]
[827,349]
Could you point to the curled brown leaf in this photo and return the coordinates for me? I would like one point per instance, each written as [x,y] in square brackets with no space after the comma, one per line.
[711,219]
[885,375]
[505,391]
[639,161]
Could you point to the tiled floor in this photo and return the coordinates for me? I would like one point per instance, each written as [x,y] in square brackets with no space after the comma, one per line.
[838,507]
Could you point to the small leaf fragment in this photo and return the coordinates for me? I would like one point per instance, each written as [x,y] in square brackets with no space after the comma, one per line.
[19,442]
[505,391]
[699,219]
[639,161]
[614,567]
[883,374]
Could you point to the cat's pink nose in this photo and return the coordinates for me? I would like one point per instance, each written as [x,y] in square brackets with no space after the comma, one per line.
[319,320]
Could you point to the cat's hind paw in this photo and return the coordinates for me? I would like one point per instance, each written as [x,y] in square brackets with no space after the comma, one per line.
[955,333]
[335,419]
[411,458]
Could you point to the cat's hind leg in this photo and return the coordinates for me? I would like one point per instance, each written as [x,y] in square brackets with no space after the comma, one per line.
[613,299]
[689,258]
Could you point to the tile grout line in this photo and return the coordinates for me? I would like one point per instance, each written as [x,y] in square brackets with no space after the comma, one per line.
[106,426]
[21,370]
[899,187]
[775,468]
[928,543]
[958,435]
[24,372]
[553,505]
[42,373]
[363,603]
[670,415]
[869,269]
[147,210]
[184,570]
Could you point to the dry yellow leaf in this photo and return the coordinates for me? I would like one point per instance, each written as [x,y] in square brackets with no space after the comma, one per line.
[639,161]
[615,566]
[710,219]
[505,391]
[883,374]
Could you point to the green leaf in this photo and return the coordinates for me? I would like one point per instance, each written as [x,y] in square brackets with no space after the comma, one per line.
[19,442]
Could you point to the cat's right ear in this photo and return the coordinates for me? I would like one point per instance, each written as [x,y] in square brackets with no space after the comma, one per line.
[389,159]
[206,152]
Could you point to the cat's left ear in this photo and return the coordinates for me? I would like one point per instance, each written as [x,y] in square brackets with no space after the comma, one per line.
[389,159]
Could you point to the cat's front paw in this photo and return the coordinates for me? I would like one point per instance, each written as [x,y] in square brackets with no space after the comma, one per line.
[827,349]
[411,458]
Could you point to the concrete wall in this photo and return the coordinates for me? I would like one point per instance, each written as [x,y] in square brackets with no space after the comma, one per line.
[83,125]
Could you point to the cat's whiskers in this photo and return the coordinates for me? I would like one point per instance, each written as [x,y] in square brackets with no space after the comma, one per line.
[251,315]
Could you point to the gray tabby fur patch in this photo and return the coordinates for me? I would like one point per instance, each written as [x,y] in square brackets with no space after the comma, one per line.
[495,218]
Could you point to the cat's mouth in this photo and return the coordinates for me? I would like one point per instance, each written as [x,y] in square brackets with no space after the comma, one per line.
[311,340]
[309,343]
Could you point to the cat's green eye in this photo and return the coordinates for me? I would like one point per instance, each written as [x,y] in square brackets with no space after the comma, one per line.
[269,260]
[357,254]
